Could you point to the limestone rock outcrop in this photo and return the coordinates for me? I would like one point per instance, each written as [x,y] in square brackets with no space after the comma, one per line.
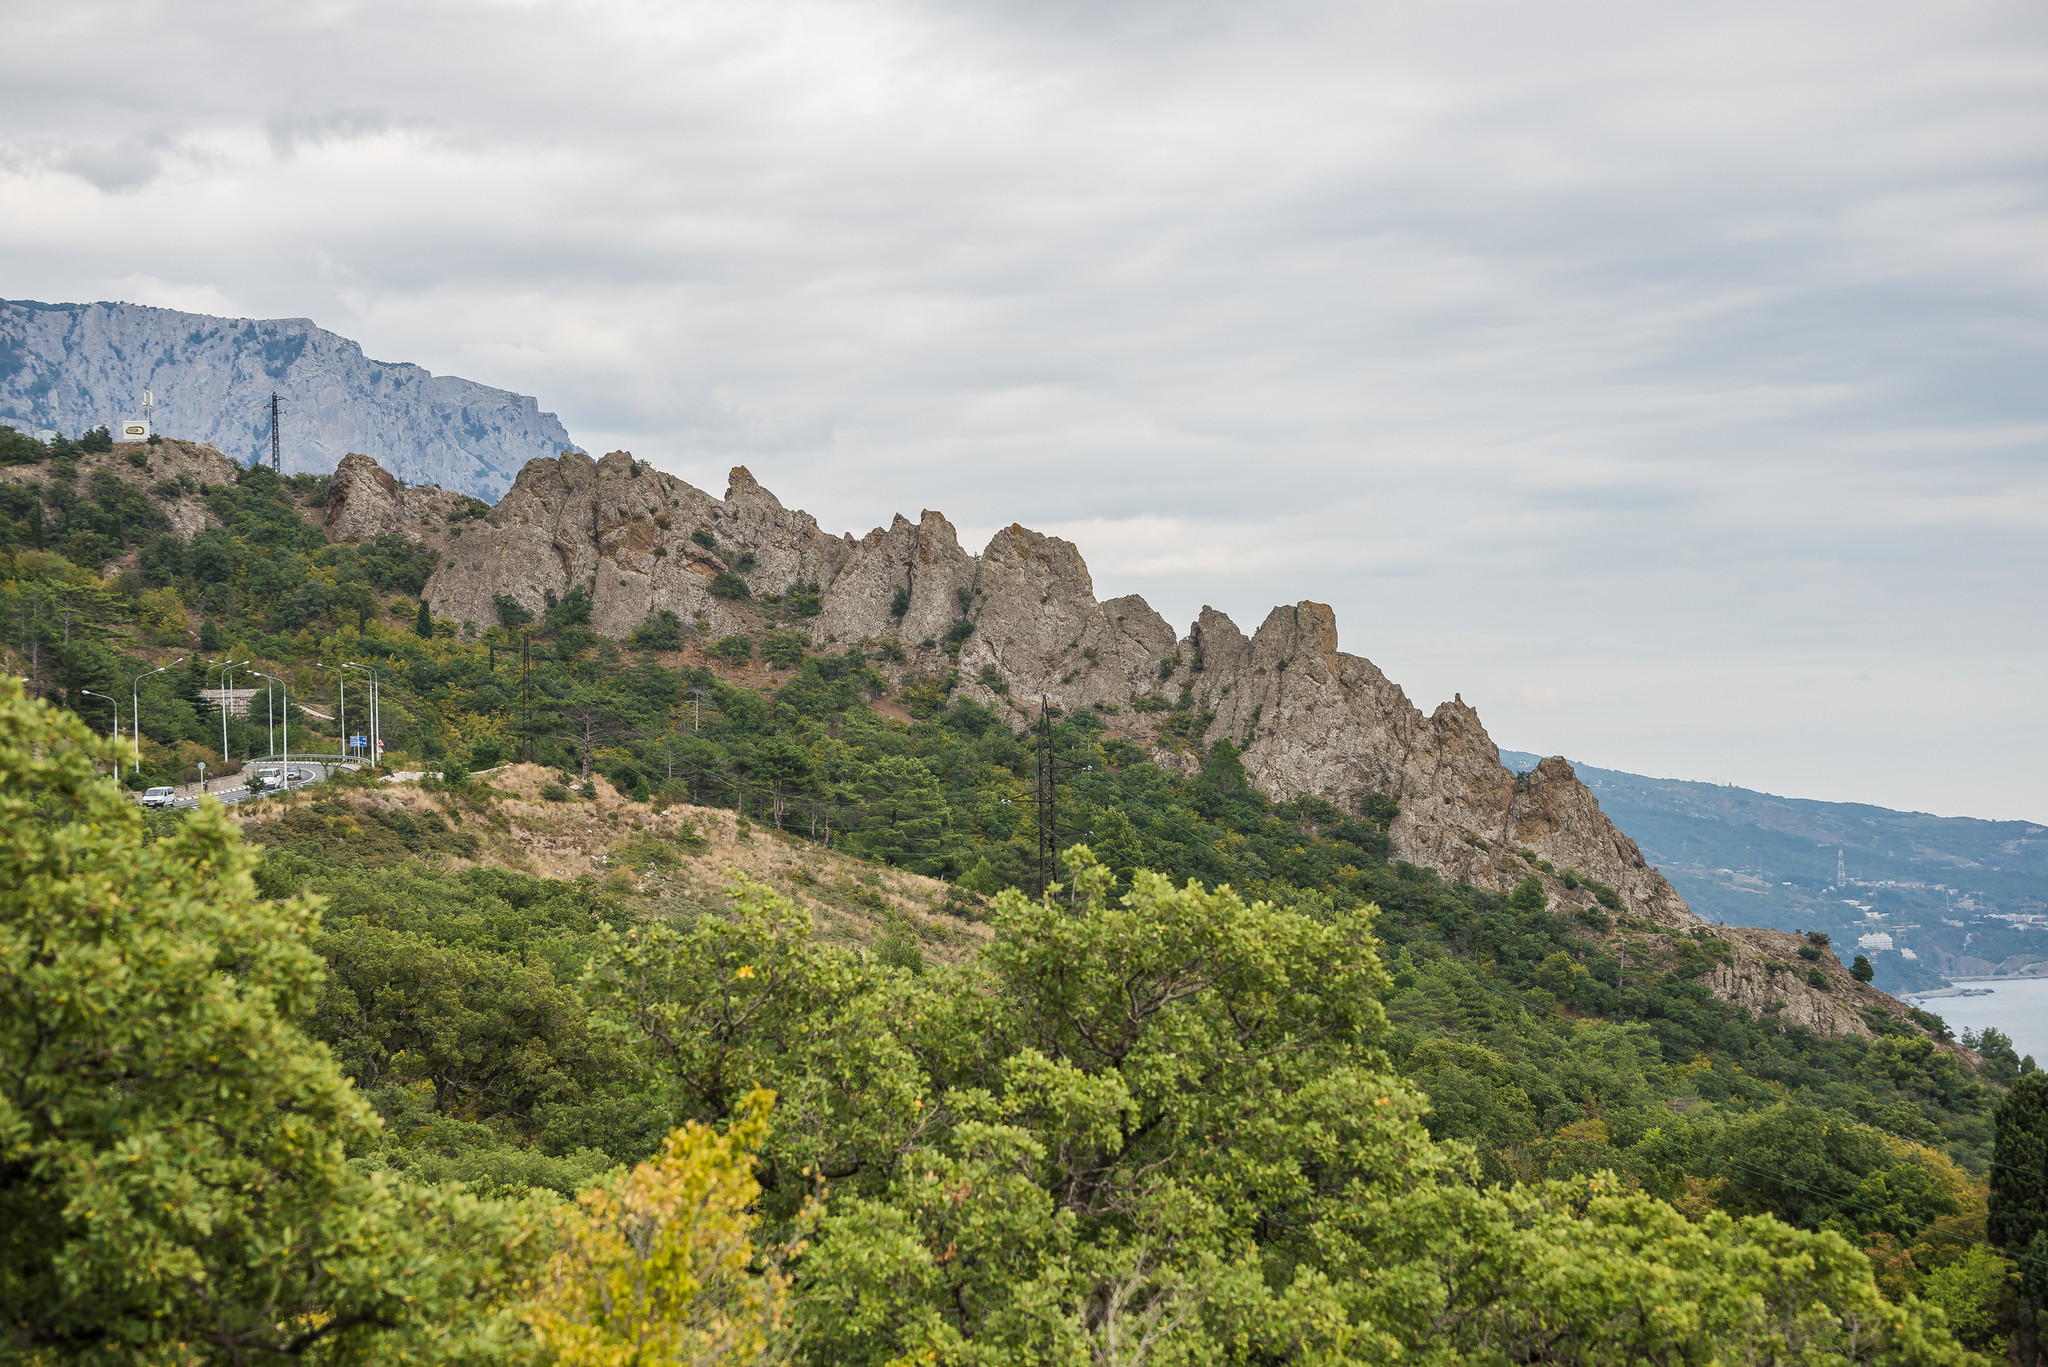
[1020,621]
[364,501]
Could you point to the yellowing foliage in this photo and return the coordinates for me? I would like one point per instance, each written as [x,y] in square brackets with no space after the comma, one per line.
[658,1265]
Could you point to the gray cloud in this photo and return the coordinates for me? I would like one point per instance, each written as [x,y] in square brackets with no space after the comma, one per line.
[1667,381]
[129,164]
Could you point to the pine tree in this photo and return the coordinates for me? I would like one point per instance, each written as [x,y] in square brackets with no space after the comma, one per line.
[2019,1201]
[1116,843]
[423,625]
[903,816]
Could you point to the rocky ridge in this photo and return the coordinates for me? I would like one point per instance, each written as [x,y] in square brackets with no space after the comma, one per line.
[1020,621]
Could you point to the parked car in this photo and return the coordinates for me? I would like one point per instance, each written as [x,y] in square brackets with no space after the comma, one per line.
[160,797]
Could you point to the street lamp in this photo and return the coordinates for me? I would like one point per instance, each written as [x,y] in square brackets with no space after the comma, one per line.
[116,732]
[341,709]
[287,723]
[376,714]
[227,685]
[135,708]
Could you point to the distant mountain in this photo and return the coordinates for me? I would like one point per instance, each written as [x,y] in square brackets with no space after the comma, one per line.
[71,367]
[1960,896]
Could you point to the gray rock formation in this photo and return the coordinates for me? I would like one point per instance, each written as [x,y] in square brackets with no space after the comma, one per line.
[74,366]
[1308,718]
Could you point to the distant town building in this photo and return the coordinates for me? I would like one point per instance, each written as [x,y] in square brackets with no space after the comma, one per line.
[1877,939]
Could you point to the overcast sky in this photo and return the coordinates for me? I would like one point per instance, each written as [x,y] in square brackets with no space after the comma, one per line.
[1666,379]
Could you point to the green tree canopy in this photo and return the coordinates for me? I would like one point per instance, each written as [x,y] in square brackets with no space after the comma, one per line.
[173,1179]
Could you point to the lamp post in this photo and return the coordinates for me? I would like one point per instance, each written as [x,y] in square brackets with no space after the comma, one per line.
[376,715]
[341,709]
[287,723]
[115,734]
[135,708]
[227,685]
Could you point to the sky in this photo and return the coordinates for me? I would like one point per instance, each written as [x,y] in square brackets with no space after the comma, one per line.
[1666,380]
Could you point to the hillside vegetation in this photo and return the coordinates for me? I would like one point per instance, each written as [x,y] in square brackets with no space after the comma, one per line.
[1242,1076]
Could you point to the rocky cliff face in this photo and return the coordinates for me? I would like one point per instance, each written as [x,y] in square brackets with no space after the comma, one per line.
[71,367]
[1020,621]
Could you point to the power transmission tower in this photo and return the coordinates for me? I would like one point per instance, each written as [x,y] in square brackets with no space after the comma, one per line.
[1046,797]
[276,459]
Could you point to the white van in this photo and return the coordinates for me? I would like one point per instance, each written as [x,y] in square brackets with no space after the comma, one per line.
[160,797]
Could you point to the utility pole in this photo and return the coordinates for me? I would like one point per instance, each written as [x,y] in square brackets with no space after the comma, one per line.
[276,458]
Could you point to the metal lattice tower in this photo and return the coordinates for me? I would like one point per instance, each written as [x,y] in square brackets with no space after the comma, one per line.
[276,458]
[1046,798]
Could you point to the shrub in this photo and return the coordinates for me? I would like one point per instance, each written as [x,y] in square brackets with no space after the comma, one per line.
[1816,978]
[805,600]
[893,652]
[662,630]
[1931,1023]
[735,649]
[1861,970]
[726,584]
[18,448]
[900,604]
[745,562]
[784,649]
[1808,953]
[992,679]
[704,539]
[553,792]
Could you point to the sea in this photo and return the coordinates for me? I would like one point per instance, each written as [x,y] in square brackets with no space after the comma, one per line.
[2017,1006]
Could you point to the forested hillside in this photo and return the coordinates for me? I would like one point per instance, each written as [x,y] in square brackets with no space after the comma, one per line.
[1285,1097]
